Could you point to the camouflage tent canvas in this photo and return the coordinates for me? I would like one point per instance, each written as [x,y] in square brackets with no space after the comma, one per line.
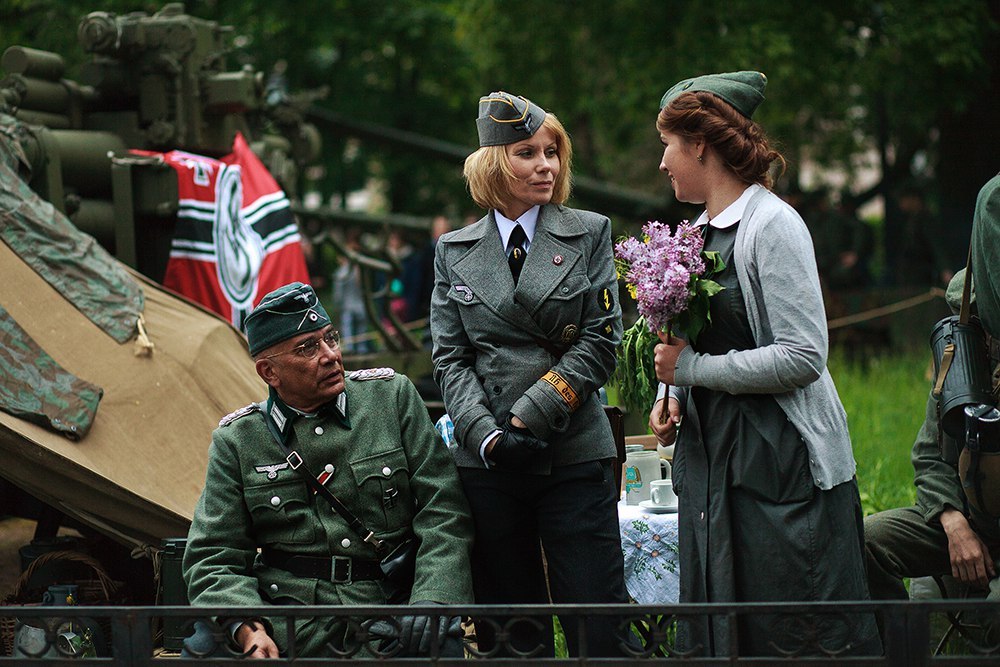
[137,474]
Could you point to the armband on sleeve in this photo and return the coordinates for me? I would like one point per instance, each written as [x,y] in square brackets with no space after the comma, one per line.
[566,392]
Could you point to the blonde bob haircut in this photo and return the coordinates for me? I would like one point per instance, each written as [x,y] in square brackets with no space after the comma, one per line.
[490,176]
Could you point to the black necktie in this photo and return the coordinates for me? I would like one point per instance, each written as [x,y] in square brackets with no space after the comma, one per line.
[515,251]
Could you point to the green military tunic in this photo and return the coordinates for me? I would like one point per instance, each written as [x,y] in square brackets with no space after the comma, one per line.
[390,468]
[908,542]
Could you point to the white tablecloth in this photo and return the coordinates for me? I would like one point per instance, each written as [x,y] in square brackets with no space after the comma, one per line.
[649,544]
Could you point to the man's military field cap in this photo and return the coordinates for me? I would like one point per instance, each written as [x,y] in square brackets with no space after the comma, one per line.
[505,118]
[286,312]
[743,90]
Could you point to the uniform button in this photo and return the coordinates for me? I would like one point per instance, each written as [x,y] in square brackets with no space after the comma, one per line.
[702,516]
[387,471]
[275,500]
[818,482]
[318,430]
[345,543]
[274,588]
[497,389]
[565,290]
[329,468]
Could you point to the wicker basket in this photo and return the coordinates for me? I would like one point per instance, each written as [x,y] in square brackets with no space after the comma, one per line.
[99,590]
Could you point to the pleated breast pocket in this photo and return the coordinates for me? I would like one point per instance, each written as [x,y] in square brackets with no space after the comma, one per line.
[281,513]
[384,497]
[562,312]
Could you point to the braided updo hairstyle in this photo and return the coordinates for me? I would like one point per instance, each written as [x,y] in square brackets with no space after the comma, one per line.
[740,142]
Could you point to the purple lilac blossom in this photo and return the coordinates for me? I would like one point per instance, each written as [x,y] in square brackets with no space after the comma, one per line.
[663,270]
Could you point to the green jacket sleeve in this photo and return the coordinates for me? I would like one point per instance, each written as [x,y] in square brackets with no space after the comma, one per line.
[219,554]
[442,519]
[935,466]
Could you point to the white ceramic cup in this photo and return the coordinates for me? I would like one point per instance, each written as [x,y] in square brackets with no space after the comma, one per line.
[661,492]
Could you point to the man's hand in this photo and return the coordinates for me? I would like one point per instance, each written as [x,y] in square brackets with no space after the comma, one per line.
[416,635]
[666,432]
[665,357]
[253,635]
[515,448]
[970,559]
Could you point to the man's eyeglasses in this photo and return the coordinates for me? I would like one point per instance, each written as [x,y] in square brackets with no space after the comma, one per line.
[310,348]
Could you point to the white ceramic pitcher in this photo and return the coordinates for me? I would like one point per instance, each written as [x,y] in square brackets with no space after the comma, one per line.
[641,468]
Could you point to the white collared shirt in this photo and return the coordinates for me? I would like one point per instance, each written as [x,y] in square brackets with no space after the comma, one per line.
[528,222]
[732,213]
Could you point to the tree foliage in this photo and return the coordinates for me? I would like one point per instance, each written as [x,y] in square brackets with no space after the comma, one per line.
[844,77]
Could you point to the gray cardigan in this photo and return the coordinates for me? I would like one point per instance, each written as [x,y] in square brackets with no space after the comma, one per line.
[776,268]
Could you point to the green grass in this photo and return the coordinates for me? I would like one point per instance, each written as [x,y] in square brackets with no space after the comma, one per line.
[884,396]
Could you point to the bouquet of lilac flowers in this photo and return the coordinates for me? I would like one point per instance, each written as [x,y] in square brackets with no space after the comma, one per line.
[669,276]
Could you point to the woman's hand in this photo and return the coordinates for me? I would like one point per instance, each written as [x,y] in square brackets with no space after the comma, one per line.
[516,422]
[666,432]
[665,357]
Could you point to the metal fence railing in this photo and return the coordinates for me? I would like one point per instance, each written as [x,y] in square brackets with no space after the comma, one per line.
[914,633]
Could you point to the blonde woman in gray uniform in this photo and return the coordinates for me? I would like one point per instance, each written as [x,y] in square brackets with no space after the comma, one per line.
[525,320]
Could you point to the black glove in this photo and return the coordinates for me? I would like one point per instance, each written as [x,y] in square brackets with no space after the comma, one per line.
[516,447]
[413,635]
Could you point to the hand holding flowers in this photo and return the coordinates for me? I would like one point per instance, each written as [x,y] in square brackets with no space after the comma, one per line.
[668,274]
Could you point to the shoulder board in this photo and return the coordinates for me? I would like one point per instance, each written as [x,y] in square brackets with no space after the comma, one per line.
[242,412]
[372,374]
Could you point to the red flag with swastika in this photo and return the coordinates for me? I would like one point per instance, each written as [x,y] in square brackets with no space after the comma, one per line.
[236,238]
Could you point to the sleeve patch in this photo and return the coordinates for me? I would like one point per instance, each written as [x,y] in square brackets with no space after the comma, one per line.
[605,300]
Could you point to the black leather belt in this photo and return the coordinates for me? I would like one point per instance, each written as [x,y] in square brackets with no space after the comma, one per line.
[338,569]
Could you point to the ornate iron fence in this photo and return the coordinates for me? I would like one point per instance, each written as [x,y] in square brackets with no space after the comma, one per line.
[913,633]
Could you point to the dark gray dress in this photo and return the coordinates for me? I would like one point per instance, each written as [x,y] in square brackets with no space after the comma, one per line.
[753,527]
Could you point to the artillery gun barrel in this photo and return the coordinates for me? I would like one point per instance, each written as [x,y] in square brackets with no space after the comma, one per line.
[38,94]
[63,97]
[33,62]
[53,121]
[85,160]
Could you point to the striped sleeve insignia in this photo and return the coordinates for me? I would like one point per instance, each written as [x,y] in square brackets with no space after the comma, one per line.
[372,374]
[242,412]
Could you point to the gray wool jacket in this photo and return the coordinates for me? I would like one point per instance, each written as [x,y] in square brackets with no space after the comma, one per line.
[776,267]
[494,342]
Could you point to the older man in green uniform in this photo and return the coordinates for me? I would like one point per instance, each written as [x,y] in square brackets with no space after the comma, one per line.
[368,436]
[944,533]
